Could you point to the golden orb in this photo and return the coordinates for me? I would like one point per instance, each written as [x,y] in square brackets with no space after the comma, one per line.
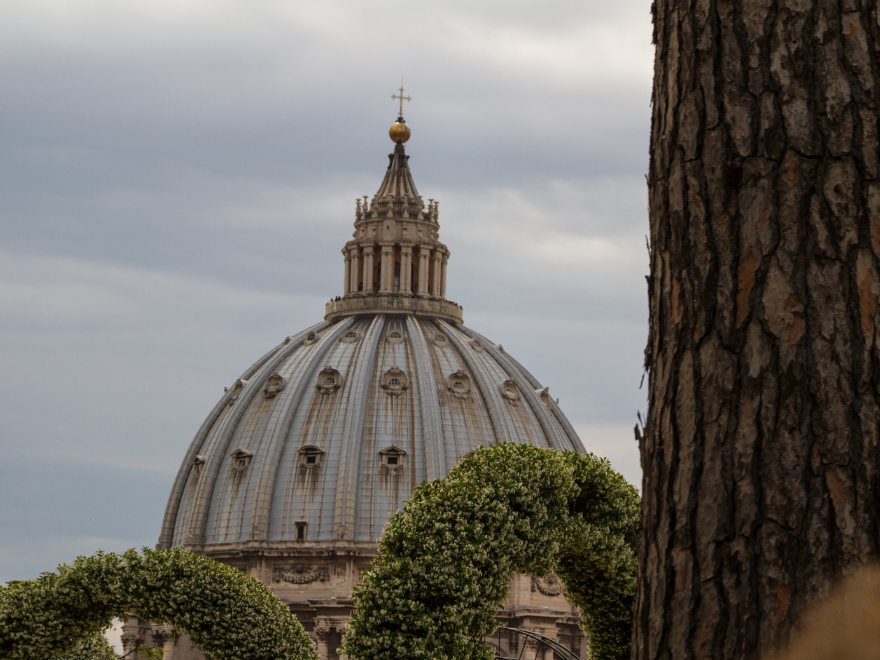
[399,132]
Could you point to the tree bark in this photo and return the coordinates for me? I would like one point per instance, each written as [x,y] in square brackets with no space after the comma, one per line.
[760,450]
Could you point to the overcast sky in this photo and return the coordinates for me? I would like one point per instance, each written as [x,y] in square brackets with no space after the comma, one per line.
[178,178]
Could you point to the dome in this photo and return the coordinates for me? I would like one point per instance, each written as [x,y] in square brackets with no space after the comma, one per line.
[329,433]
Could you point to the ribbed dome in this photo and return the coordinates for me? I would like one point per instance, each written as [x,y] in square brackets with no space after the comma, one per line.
[330,432]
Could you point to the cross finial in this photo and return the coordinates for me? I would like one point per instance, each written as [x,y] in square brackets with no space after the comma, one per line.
[402,99]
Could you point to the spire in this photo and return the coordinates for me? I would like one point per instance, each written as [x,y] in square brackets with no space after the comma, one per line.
[398,191]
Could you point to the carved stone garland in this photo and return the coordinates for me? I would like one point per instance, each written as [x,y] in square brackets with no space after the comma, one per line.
[549,586]
[300,574]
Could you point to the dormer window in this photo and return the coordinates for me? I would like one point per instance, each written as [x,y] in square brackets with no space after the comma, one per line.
[395,337]
[274,385]
[311,456]
[241,459]
[510,392]
[311,338]
[394,382]
[459,385]
[329,381]
[392,458]
[301,529]
[350,337]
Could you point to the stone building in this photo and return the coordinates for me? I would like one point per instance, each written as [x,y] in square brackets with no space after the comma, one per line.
[295,471]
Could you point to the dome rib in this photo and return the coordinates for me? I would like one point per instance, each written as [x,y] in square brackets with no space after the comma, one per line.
[195,534]
[289,405]
[526,388]
[166,536]
[346,490]
[428,403]
[490,394]
[554,407]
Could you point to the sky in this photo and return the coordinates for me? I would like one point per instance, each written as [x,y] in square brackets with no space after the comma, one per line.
[177,180]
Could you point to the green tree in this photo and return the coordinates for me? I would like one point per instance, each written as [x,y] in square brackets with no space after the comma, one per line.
[760,451]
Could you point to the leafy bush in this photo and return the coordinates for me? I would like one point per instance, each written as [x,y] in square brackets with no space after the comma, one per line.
[446,558]
[227,614]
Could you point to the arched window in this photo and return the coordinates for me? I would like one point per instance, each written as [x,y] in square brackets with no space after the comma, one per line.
[458,385]
[329,381]
[395,382]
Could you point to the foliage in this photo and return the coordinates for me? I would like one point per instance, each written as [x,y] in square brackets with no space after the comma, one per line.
[446,558]
[93,647]
[227,614]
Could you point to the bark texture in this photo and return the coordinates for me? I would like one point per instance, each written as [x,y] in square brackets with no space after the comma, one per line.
[760,451]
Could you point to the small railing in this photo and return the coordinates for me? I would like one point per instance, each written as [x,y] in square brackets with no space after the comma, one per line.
[394,304]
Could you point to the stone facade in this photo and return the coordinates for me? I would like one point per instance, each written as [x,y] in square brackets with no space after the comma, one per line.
[295,472]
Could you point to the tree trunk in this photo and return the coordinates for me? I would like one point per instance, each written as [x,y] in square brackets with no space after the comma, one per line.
[760,451]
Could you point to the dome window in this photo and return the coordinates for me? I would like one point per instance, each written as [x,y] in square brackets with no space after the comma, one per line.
[392,458]
[394,382]
[476,344]
[510,392]
[329,381]
[311,338]
[459,385]
[441,340]
[311,456]
[241,459]
[395,337]
[302,528]
[274,385]
[350,337]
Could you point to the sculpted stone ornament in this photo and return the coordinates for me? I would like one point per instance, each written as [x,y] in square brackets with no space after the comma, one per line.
[274,385]
[329,381]
[459,385]
[395,382]
[197,462]
[300,574]
[510,392]
[549,586]
[237,389]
